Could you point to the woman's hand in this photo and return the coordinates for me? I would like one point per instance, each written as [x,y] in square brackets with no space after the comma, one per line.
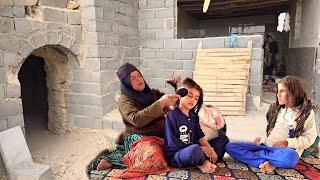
[281,144]
[210,153]
[168,100]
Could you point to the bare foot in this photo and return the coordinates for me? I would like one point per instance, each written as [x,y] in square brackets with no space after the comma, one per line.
[267,167]
[207,167]
[220,165]
[257,141]
[103,165]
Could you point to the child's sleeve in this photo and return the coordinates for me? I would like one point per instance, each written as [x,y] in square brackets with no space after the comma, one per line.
[170,132]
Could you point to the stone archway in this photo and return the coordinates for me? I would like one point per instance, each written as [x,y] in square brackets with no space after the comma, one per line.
[59,63]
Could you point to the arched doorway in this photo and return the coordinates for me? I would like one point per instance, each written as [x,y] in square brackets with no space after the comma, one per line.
[44,78]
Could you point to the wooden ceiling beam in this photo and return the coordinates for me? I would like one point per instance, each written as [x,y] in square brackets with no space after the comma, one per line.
[233,5]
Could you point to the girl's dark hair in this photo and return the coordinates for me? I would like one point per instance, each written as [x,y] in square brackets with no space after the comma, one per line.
[295,90]
[189,83]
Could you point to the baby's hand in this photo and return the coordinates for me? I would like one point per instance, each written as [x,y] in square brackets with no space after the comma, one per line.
[257,141]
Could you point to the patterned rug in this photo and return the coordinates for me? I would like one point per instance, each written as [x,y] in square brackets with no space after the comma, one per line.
[307,168]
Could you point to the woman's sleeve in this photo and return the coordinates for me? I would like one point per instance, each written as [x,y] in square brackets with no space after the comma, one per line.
[135,116]
[308,137]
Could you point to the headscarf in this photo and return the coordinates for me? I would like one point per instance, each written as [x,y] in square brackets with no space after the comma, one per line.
[144,98]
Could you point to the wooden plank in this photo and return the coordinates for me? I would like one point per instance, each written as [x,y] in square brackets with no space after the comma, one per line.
[230,103]
[218,73]
[233,113]
[224,50]
[223,99]
[225,60]
[222,94]
[223,54]
[218,90]
[221,77]
[200,67]
[223,81]
[228,108]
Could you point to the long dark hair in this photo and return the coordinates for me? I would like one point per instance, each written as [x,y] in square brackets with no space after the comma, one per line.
[296,94]
[189,83]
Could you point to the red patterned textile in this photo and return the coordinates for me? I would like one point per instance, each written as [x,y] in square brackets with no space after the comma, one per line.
[145,157]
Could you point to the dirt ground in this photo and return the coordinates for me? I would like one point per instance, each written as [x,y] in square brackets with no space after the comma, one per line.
[68,154]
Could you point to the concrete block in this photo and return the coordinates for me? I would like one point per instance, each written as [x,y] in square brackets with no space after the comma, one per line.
[183,74]
[3,77]
[164,54]
[1,59]
[7,2]
[155,24]
[3,124]
[144,34]
[257,54]
[155,4]
[190,44]
[169,3]
[156,64]
[13,91]
[188,65]
[157,83]
[142,25]
[182,55]
[153,44]
[172,44]
[23,26]
[255,89]
[146,14]
[108,99]
[317,79]
[76,109]
[147,54]
[165,34]
[170,23]
[256,66]
[74,18]
[106,51]
[30,170]
[87,76]
[148,73]
[173,64]
[255,78]
[113,86]
[97,124]
[54,15]
[107,76]
[93,111]
[165,13]
[19,11]
[106,123]
[55,3]
[165,74]
[14,152]
[2,93]
[11,107]
[218,42]
[87,88]
[84,99]
[16,120]
[257,41]
[84,121]
[6,11]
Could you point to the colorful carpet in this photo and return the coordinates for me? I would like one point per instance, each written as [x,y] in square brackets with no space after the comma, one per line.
[307,168]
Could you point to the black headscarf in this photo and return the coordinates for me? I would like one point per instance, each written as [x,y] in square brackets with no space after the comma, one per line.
[144,98]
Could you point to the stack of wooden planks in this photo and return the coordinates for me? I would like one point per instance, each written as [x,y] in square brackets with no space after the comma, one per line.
[223,73]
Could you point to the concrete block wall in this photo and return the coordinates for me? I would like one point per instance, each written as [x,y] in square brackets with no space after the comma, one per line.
[163,58]
[163,55]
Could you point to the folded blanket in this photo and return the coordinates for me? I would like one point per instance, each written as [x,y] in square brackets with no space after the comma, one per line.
[145,157]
